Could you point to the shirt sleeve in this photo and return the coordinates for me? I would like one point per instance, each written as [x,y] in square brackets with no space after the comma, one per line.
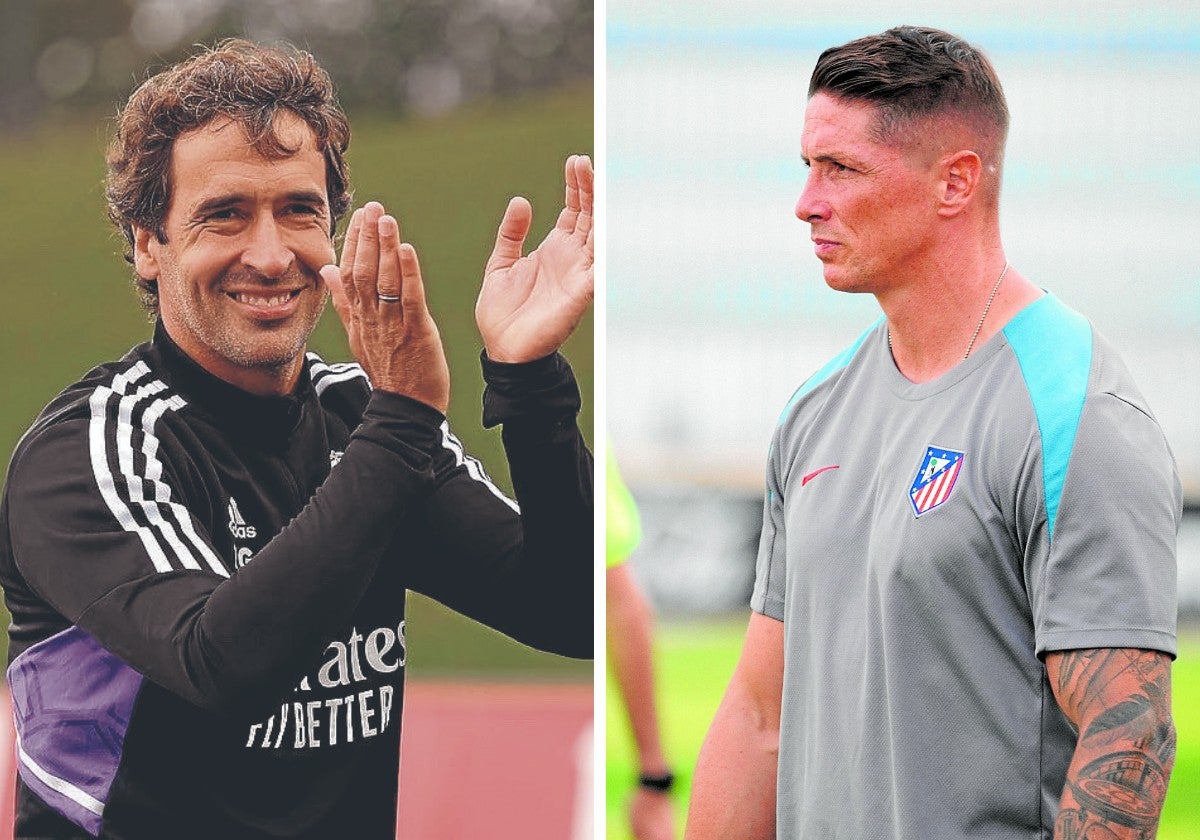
[524,568]
[103,528]
[1106,575]
[771,568]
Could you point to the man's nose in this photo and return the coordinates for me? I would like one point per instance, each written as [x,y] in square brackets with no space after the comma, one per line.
[266,253]
[811,207]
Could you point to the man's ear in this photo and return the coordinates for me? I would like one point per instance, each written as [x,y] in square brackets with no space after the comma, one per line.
[145,252]
[961,173]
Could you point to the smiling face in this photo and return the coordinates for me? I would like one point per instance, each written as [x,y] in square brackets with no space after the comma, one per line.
[872,205]
[238,275]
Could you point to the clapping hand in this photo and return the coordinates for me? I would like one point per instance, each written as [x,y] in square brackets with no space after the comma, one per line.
[530,304]
[378,293]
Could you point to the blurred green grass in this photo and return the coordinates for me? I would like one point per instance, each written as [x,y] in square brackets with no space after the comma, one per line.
[69,303]
[694,663]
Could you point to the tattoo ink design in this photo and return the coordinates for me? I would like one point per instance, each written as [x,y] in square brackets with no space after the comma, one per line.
[1117,716]
[1125,787]
[1126,750]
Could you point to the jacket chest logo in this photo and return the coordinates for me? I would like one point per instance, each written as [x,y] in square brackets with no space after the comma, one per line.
[936,478]
[241,530]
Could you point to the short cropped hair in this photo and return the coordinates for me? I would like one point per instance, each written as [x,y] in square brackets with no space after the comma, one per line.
[913,74]
[248,83]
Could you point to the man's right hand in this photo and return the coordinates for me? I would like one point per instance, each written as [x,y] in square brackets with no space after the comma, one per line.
[378,293]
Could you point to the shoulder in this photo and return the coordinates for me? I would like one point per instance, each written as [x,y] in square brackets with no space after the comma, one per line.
[815,390]
[1053,345]
[118,426]
[1068,368]
[1093,425]
[103,390]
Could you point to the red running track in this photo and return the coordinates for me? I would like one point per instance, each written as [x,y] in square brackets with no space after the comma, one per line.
[502,761]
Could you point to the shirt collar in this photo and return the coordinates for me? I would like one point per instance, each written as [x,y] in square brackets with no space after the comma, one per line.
[236,411]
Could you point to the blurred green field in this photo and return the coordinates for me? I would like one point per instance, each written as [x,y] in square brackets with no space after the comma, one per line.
[69,303]
[694,665]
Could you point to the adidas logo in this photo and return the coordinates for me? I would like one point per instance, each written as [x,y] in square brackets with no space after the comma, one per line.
[237,525]
[335,455]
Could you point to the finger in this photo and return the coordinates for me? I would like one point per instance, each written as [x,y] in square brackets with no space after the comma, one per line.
[349,247]
[586,177]
[332,275]
[389,285]
[570,211]
[413,287]
[572,180]
[366,256]
[510,239]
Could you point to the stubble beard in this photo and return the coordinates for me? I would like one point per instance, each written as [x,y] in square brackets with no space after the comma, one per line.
[271,348]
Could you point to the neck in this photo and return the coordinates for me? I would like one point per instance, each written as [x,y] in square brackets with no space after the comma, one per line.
[937,314]
[263,380]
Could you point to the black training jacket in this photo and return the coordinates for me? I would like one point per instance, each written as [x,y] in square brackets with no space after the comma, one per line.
[207,588]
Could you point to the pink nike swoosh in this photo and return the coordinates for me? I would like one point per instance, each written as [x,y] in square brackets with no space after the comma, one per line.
[816,473]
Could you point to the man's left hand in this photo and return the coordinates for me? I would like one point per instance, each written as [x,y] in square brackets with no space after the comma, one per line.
[529,305]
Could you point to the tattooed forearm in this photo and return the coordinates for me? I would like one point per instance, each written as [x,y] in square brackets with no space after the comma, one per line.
[1120,700]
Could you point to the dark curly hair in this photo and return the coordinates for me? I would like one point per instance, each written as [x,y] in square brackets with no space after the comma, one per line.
[250,84]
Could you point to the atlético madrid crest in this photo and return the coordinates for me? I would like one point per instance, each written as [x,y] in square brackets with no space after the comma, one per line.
[935,479]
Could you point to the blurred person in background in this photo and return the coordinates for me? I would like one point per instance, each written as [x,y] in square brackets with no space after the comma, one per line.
[629,631]
[964,614]
[207,544]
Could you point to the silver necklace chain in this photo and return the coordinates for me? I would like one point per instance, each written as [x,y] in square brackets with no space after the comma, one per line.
[986,309]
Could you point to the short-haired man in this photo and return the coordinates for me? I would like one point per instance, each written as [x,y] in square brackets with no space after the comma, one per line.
[964,610]
[206,544]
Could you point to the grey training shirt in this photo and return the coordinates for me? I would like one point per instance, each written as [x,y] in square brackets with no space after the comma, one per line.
[925,545]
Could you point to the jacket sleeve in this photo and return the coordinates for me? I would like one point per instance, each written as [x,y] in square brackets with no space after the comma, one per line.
[103,527]
[527,572]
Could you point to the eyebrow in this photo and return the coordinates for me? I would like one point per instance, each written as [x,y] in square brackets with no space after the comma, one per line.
[825,158]
[306,197]
[224,202]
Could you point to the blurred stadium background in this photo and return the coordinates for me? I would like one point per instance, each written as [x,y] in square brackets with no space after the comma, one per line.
[716,309]
[455,105]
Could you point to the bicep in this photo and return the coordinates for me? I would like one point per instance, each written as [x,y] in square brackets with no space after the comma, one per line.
[84,522]
[758,677]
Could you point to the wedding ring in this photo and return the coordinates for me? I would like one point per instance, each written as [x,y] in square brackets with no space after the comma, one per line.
[389,298]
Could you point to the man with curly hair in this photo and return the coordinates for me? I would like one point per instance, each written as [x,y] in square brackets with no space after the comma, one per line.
[207,543]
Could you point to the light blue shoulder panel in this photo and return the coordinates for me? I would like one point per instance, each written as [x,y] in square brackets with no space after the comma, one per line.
[829,369]
[1053,346]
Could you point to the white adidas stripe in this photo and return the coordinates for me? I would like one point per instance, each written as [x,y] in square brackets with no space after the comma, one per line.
[160,496]
[162,492]
[134,482]
[324,382]
[323,375]
[474,468]
[98,449]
